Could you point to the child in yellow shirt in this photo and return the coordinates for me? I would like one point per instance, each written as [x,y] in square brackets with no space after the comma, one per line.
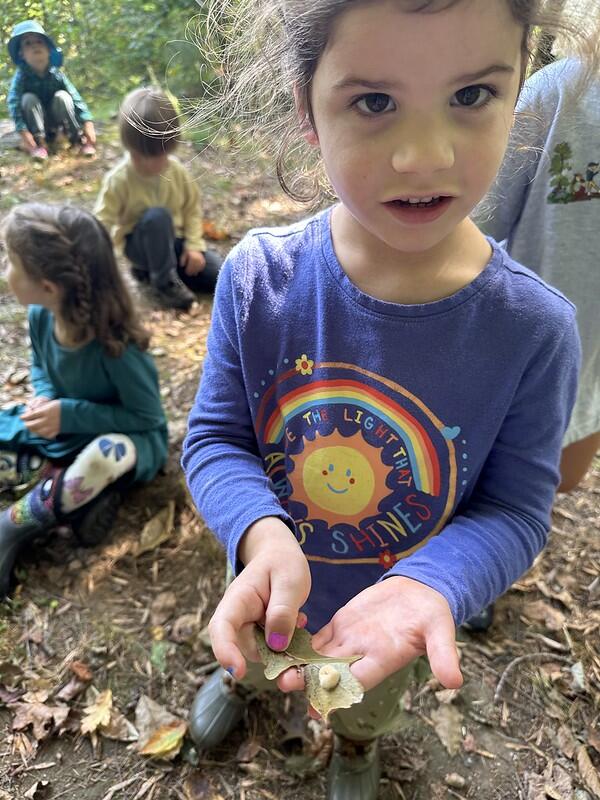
[151,204]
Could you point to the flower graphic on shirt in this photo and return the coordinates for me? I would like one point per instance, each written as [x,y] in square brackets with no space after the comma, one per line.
[387,559]
[304,365]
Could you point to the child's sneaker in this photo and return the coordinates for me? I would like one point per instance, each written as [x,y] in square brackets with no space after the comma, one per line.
[216,710]
[354,771]
[39,153]
[174,294]
[140,274]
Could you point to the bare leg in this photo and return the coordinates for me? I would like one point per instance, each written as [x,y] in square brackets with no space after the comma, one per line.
[576,460]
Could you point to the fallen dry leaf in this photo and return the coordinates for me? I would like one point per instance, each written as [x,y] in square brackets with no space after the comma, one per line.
[157,530]
[566,741]
[211,231]
[38,790]
[166,741]
[447,721]
[40,716]
[588,772]
[163,606]
[150,717]
[248,750]
[119,728]
[98,713]
[184,628]
[593,739]
[18,376]
[197,787]
[71,690]
[81,671]
[540,611]
[8,696]
[10,674]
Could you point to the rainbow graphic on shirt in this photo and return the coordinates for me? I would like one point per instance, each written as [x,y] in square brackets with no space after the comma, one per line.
[366,470]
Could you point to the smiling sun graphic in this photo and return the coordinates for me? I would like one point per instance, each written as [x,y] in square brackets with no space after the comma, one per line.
[339,479]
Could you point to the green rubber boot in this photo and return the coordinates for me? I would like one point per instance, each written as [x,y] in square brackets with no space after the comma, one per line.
[354,771]
[217,709]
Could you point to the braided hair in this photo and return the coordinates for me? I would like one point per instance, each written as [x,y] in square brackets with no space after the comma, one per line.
[71,248]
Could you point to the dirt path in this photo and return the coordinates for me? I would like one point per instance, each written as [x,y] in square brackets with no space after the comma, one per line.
[136,620]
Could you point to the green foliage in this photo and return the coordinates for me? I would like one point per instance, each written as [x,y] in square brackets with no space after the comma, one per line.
[113,46]
[559,165]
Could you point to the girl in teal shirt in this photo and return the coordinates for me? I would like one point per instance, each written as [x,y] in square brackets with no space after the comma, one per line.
[95,423]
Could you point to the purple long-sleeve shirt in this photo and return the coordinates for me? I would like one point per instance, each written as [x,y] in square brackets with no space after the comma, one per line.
[418,440]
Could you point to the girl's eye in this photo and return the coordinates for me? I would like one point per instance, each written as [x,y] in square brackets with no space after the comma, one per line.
[473,96]
[374,103]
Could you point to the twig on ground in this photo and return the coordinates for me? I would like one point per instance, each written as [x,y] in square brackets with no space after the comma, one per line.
[528,657]
[118,786]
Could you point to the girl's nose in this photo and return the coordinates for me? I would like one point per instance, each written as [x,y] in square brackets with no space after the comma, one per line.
[422,146]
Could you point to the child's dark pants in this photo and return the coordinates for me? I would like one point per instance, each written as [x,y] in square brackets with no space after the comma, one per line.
[44,121]
[154,249]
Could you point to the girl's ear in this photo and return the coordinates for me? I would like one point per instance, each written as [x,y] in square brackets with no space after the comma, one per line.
[306,126]
[52,289]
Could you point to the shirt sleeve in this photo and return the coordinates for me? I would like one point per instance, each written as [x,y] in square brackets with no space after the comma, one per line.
[224,470]
[81,109]
[494,540]
[109,204]
[137,408]
[192,216]
[14,99]
[42,385]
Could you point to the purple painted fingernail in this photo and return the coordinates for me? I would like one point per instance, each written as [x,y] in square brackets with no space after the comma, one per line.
[277,641]
[231,671]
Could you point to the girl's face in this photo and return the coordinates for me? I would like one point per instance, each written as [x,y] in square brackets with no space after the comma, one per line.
[27,290]
[35,51]
[415,107]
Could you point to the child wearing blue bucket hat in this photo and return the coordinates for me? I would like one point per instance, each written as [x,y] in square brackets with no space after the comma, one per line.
[41,99]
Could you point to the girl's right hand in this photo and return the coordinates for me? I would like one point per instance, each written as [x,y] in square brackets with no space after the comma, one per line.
[29,142]
[36,402]
[270,590]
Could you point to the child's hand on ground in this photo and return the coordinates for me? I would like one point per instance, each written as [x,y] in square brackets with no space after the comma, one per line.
[390,624]
[28,141]
[192,261]
[270,589]
[89,132]
[43,419]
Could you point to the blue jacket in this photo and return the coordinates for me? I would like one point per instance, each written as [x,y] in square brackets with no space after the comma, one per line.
[45,87]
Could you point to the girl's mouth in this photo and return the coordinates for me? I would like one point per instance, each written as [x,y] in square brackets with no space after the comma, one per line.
[419,202]
[418,209]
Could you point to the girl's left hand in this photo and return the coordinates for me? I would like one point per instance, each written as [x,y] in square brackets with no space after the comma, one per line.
[44,419]
[192,261]
[89,131]
[390,624]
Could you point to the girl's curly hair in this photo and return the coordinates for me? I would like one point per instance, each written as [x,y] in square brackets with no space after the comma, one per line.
[71,248]
[267,49]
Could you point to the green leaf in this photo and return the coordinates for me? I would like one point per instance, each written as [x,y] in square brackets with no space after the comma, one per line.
[300,653]
[345,694]
[158,656]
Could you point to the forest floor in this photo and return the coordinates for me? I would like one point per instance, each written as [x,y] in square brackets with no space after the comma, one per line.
[130,617]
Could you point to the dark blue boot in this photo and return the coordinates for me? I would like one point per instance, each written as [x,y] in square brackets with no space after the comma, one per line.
[28,519]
